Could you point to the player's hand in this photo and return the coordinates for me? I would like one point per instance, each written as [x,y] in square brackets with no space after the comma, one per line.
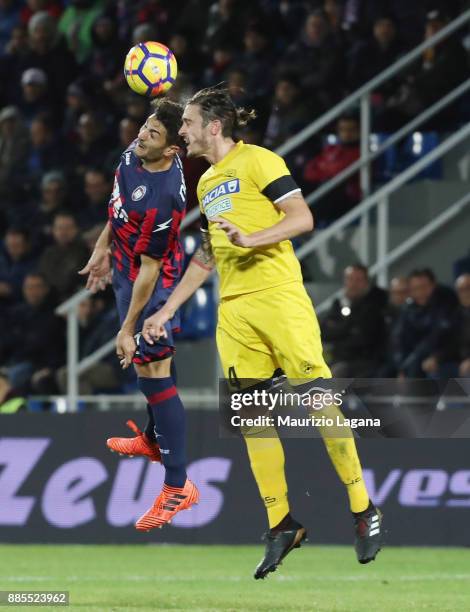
[98,269]
[154,326]
[234,234]
[125,348]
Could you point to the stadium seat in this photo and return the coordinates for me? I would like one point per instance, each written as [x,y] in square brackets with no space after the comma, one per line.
[385,166]
[417,146]
[198,315]
[190,243]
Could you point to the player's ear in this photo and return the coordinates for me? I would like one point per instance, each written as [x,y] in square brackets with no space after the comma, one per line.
[216,127]
[171,151]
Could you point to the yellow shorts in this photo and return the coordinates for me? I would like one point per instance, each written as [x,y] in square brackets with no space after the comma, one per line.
[265,330]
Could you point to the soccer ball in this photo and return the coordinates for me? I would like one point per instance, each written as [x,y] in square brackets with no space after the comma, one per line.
[150,69]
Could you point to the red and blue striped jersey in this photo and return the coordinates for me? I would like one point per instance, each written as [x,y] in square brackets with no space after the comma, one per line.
[145,212]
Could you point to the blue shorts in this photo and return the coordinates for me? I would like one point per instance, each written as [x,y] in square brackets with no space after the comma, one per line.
[163,347]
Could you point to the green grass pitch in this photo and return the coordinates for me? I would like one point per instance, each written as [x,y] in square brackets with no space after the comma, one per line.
[314,578]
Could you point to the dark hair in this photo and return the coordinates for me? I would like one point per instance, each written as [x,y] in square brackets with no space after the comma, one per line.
[289,77]
[349,116]
[98,170]
[216,104]
[170,115]
[66,213]
[420,272]
[19,231]
[360,267]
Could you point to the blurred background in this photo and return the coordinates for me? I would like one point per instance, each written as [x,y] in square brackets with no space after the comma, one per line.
[368,101]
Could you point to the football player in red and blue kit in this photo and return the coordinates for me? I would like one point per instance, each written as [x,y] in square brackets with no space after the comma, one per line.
[141,242]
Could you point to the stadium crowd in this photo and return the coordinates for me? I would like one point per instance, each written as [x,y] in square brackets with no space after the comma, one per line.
[66,115]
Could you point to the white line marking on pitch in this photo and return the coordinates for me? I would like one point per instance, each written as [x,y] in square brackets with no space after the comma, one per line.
[281,578]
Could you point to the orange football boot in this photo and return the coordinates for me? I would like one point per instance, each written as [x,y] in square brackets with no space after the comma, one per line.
[140,445]
[170,501]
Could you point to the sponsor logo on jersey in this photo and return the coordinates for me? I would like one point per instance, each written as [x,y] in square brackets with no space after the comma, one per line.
[221,190]
[218,207]
[212,205]
[139,193]
[163,226]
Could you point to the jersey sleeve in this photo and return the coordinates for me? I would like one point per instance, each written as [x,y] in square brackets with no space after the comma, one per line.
[272,176]
[155,233]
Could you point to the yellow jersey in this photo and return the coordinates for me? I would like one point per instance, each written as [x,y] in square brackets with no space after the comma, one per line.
[243,188]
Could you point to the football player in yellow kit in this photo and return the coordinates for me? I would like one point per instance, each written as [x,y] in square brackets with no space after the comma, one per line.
[250,208]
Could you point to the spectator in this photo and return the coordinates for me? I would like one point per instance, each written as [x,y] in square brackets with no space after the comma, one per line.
[190,59]
[54,197]
[105,63]
[96,327]
[68,249]
[48,51]
[77,103]
[91,146]
[371,57]
[98,187]
[13,148]
[33,6]
[256,62]
[441,69]
[225,22]
[424,336]
[290,112]
[128,132]
[143,32]
[316,60]
[15,263]
[9,18]
[461,266]
[11,400]
[223,57]
[34,345]
[137,108]
[45,152]
[159,14]
[354,328]
[17,45]
[398,294]
[76,25]
[332,160]
[334,11]
[35,97]
[399,291]
[10,61]
[462,286]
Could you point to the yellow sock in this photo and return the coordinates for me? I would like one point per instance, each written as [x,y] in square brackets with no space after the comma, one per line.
[343,454]
[267,463]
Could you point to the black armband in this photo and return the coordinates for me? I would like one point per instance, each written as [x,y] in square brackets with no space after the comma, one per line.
[280,188]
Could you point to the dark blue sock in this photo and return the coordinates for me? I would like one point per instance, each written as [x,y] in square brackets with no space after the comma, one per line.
[169,418]
[150,427]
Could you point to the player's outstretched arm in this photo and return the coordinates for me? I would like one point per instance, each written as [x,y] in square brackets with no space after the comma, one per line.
[98,267]
[200,268]
[297,220]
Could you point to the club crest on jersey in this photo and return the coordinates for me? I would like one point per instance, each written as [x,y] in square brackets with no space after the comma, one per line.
[211,202]
[138,193]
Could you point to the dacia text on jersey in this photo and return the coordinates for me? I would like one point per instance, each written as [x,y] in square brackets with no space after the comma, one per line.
[211,202]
